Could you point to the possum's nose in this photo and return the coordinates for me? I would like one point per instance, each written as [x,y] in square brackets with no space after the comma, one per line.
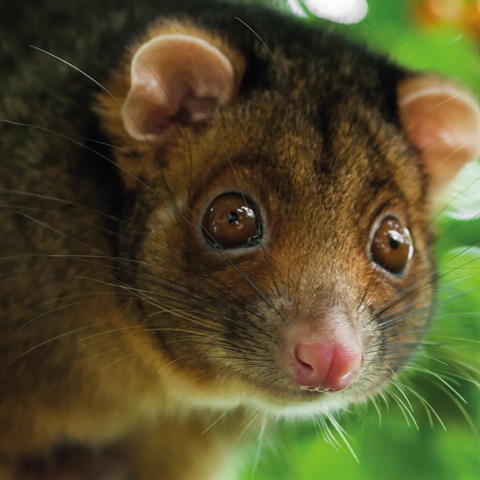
[327,366]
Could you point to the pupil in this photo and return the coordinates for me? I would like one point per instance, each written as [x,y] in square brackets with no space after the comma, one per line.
[393,244]
[232,218]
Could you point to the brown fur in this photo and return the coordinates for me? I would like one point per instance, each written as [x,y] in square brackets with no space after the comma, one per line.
[126,330]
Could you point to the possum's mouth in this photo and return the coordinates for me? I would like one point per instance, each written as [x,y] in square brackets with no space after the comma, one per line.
[72,462]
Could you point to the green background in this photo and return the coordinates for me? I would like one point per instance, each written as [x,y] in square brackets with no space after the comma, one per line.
[412,444]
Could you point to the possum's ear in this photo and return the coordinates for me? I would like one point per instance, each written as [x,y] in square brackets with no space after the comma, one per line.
[175,77]
[443,123]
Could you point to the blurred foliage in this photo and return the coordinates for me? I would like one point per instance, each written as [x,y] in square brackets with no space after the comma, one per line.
[413,443]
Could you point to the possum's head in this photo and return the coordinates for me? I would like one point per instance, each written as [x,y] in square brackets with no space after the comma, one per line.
[281,222]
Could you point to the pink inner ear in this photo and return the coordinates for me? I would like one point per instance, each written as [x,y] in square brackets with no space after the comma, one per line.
[443,122]
[174,75]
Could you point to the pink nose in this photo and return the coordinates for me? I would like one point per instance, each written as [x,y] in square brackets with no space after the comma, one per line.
[326,366]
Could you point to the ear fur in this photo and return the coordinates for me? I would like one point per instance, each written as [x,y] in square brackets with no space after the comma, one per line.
[443,122]
[173,76]
[178,76]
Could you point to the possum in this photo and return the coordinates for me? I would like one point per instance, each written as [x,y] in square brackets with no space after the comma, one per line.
[212,215]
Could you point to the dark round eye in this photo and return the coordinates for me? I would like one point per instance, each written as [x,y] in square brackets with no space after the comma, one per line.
[232,221]
[392,245]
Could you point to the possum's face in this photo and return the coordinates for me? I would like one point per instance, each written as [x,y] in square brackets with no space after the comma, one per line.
[284,256]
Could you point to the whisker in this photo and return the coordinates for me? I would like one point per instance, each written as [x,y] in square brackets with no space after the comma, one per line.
[72,66]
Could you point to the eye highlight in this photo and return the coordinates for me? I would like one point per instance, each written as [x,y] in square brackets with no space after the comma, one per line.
[232,221]
[391,245]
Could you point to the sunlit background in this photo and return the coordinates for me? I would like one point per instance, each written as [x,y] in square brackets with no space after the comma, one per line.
[340,11]
[437,437]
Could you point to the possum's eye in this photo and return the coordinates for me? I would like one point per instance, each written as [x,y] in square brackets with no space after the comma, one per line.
[391,245]
[232,221]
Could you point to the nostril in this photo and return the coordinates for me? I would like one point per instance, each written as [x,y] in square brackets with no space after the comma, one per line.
[327,366]
[312,364]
